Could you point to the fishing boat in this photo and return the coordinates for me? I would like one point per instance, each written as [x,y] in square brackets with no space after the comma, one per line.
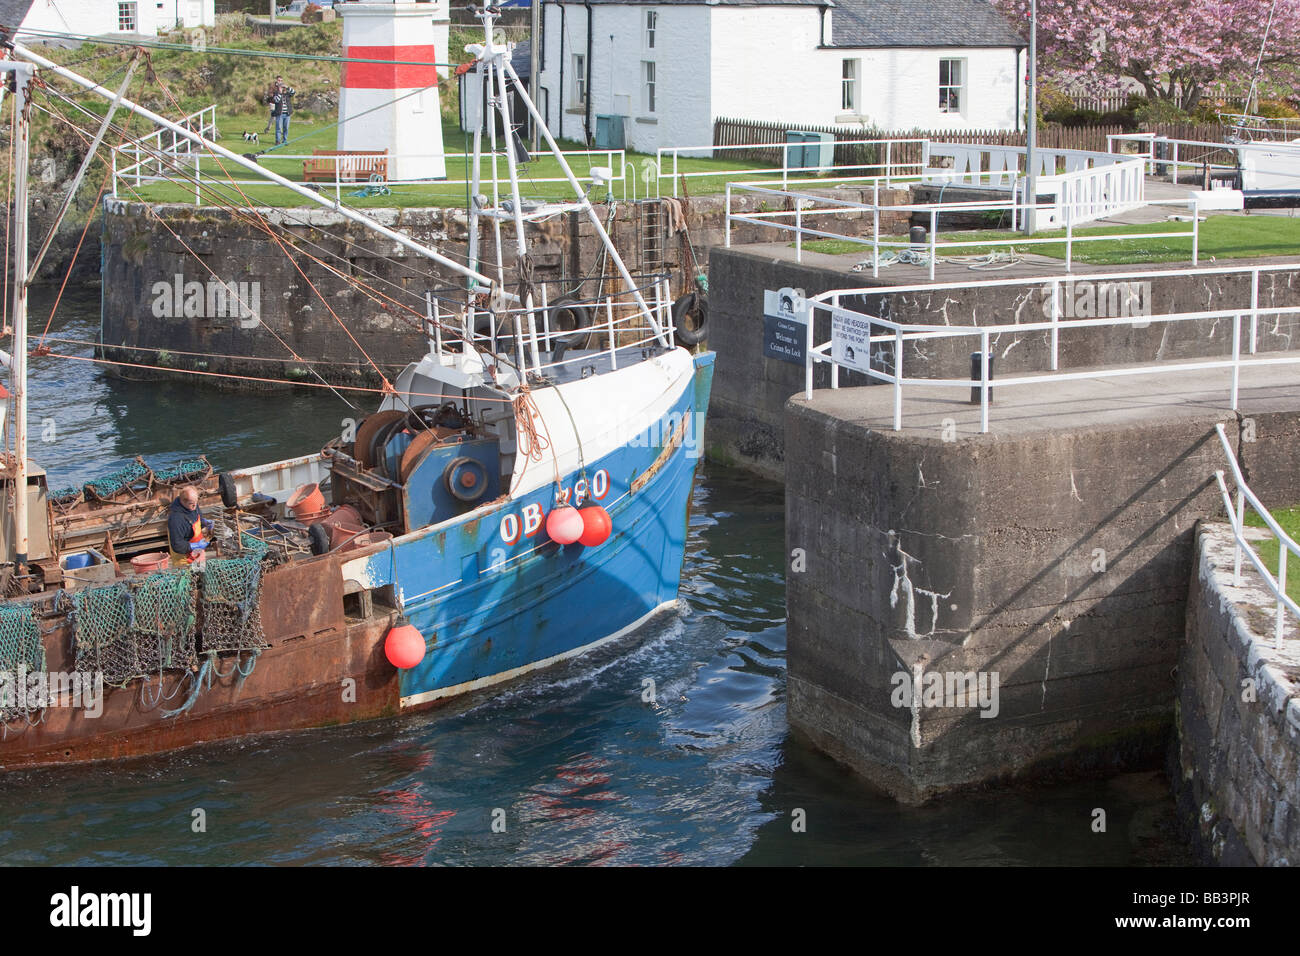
[519,497]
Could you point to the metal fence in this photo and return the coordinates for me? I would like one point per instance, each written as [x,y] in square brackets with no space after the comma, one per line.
[800,207]
[1237,519]
[886,332]
[889,160]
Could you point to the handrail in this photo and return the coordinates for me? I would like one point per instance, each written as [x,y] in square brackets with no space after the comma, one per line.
[900,333]
[1237,518]
[134,174]
[889,165]
[807,205]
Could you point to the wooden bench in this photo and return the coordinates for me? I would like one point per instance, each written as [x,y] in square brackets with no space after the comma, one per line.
[345,165]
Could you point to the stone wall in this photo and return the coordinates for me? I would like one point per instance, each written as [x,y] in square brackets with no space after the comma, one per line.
[144,245]
[1237,774]
[1051,555]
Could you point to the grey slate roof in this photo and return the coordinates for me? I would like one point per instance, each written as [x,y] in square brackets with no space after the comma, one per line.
[920,23]
[886,23]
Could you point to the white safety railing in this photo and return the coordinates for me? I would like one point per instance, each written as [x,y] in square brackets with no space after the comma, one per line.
[535,340]
[150,155]
[1157,152]
[1094,184]
[805,207]
[893,336]
[1237,519]
[890,167]
[136,166]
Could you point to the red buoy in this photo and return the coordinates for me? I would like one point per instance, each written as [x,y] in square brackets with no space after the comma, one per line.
[404,646]
[564,525]
[596,525]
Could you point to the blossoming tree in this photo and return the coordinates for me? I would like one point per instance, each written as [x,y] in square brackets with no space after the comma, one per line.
[1174,48]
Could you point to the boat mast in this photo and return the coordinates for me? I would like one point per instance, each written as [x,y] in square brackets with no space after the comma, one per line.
[22,75]
[498,75]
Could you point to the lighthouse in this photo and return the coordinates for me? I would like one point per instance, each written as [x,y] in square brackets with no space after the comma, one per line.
[393,105]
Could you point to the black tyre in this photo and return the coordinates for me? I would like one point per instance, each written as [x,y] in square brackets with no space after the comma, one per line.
[691,318]
[226,485]
[320,539]
[569,315]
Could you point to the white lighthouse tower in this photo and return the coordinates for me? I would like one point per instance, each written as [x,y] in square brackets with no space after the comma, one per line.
[394,106]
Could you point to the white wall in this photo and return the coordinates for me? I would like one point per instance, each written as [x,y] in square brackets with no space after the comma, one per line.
[96,17]
[898,89]
[901,87]
[760,63]
[682,79]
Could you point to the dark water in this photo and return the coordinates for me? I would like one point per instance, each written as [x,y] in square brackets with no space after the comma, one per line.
[574,763]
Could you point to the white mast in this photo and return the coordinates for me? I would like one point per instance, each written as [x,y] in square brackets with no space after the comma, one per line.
[494,65]
[22,73]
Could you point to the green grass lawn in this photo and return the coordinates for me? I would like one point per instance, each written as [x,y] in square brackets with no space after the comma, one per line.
[1221,237]
[307,133]
[1289,519]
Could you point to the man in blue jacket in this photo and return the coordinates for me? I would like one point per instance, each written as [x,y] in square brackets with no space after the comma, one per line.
[185,527]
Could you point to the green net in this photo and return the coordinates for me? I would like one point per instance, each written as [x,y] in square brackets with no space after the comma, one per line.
[21,650]
[115,482]
[165,620]
[138,627]
[191,470]
[232,592]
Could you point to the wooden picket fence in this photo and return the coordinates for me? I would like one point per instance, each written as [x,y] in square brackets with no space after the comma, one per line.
[735,132]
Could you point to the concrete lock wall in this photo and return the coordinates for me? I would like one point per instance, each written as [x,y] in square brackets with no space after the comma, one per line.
[1236,774]
[1052,560]
[746,414]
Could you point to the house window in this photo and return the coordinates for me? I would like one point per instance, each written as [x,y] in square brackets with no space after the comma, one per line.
[648,79]
[849,86]
[579,80]
[651,22]
[952,76]
[126,18]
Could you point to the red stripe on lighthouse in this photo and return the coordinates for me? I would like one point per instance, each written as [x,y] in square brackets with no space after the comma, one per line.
[390,76]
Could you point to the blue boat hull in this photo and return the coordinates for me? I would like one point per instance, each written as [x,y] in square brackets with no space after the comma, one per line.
[495,598]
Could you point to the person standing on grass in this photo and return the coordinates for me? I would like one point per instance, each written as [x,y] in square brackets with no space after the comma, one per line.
[280,97]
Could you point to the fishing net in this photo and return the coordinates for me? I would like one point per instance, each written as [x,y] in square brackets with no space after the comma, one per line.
[232,592]
[144,626]
[21,651]
[164,620]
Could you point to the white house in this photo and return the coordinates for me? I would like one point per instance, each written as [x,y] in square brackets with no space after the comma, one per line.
[672,67]
[46,20]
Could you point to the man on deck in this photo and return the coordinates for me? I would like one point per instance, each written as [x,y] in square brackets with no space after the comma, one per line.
[185,527]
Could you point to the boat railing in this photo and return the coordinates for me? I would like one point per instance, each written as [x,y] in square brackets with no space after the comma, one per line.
[565,328]
[1284,604]
[1164,155]
[1249,128]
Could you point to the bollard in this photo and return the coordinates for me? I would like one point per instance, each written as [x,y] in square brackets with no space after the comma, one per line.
[977,376]
[917,237]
